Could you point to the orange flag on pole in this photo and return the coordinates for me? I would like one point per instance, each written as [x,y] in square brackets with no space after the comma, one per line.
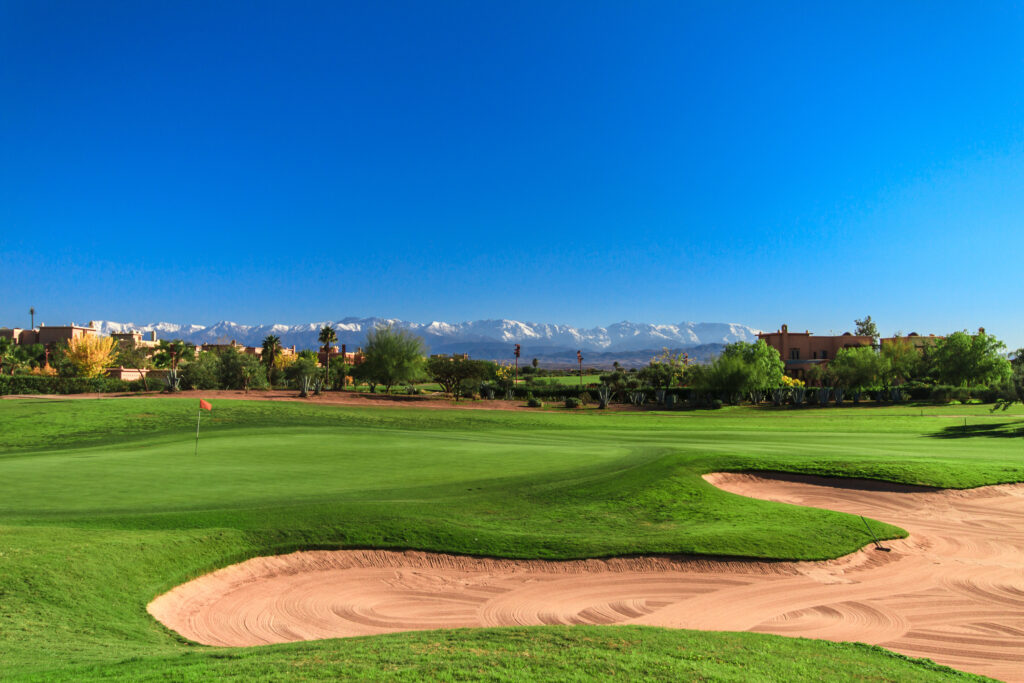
[203,405]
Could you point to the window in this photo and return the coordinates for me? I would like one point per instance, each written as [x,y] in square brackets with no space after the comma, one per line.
[794,354]
[824,354]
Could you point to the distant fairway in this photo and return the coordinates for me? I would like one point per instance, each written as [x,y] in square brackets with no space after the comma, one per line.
[103,506]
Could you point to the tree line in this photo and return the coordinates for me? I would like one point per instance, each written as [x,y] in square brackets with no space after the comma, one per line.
[958,366]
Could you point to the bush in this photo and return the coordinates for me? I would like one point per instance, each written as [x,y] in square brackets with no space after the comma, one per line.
[203,372]
[941,393]
[962,394]
[986,394]
[533,402]
[716,404]
[917,391]
[35,384]
[572,402]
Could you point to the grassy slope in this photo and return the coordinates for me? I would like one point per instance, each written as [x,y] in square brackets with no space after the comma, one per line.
[89,534]
[551,653]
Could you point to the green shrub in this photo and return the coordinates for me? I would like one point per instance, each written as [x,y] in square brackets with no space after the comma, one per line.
[36,384]
[533,402]
[203,372]
[986,394]
[572,402]
[962,394]
[941,393]
[917,391]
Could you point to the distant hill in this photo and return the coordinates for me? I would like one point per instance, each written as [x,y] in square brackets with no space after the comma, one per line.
[552,344]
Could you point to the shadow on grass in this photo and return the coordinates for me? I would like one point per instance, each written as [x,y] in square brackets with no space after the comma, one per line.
[999,430]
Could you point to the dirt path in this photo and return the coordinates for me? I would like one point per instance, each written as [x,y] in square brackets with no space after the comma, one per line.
[953,591]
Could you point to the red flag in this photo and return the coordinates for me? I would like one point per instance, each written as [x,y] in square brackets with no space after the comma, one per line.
[205,405]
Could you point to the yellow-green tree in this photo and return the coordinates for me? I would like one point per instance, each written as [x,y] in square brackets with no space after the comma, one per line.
[91,354]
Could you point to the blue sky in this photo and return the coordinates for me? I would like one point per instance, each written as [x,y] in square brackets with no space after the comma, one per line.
[581,163]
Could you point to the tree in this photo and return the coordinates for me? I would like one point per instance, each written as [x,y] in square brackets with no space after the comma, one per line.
[962,359]
[327,337]
[91,354]
[302,373]
[657,375]
[900,361]
[867,328]
[131,355]
[271,352]
[6,351]
[729,375]
[169,354]
[766,366]
[856,368]
[453,373]
[202,372]
[674,364]
[392,357]
[339,374]
[240,370]
[361,376]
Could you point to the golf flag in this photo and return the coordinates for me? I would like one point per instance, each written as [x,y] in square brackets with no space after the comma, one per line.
[203,405]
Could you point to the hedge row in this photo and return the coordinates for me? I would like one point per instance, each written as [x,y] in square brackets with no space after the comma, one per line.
[36,384]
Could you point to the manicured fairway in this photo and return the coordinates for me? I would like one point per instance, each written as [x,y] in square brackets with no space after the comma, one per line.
[103,505]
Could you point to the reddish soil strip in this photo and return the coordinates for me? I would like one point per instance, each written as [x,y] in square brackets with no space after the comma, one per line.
[953,591]
[344,398]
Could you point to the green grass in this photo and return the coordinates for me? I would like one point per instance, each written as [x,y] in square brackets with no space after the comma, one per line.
[103,506]
[552,653]
[573,381]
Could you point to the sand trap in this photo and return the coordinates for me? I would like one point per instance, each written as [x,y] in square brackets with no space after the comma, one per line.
[953,591]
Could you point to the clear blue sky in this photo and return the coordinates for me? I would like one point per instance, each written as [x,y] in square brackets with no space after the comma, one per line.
[581,162]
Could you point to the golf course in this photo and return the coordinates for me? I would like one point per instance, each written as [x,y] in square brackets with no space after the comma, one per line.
[105,505]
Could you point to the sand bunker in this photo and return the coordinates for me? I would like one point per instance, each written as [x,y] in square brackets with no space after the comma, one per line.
[953,591]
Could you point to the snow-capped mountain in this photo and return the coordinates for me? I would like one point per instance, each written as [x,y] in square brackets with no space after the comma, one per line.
[444,337]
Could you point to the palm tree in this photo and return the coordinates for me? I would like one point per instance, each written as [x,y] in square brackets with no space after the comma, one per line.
[271,350]
[327,337]
[170,353]
[32,312]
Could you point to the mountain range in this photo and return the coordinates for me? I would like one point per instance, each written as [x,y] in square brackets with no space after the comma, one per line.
[480,338]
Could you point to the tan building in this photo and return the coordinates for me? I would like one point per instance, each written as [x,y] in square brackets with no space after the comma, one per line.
[346,356]
[55,335]
[137,339]
[802,350]
[48,335]
[19,336]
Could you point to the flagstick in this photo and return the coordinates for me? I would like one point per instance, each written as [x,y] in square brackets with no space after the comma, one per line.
[199,416]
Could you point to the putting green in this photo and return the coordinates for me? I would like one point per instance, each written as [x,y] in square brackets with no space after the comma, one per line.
[103,505]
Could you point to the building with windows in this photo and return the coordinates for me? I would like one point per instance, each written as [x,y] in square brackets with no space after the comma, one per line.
[343,355]
[136,339]
[802,350]
[242,348]
[48,335]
